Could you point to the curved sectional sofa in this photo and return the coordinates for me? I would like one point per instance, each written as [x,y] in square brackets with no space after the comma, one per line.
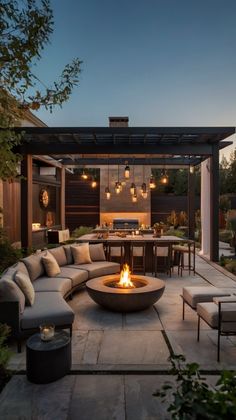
[48,291]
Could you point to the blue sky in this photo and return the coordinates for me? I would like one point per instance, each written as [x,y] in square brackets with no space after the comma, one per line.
[160,62]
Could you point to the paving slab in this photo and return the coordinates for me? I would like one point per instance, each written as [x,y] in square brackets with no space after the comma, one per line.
[133,347]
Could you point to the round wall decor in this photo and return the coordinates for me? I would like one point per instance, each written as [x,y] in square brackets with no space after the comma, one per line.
[44,197]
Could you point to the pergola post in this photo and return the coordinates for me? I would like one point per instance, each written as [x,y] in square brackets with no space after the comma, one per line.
[214,202]
[191,204]
[26,201]
[205,208]
[62,198]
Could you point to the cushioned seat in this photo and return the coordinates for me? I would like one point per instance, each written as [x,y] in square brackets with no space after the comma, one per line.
[196,294]
[45,284]
[77,277]
[220,316]
[98,268]
[48,307]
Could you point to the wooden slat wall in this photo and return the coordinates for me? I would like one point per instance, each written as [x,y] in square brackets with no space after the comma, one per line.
[81,203]
[12,211]
[162,205]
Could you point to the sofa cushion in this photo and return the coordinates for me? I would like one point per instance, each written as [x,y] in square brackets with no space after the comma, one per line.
[197,294]
[50,264]
[81,254]
[59,254]
[77,276]
[9,291]
[96,252]
[20,266]
[34,265]
[48,307]
[69,256]
[54,284]
[99,268]
[23,281]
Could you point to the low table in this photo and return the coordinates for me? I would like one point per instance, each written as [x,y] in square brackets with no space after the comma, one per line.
[47,361]
[125,299]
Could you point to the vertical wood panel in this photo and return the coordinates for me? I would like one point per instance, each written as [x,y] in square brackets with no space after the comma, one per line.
[82,206]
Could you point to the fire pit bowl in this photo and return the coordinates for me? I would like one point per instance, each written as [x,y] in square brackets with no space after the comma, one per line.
[104,291]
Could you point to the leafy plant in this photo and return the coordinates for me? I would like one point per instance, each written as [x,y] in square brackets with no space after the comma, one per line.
[25,29]
[173,220]
[175,232]
[81,230]
[190,398]
[5,355]
[9,255]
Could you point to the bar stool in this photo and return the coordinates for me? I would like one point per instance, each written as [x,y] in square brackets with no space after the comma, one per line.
[180,254]
[116,251]
[162,250]
[137,253]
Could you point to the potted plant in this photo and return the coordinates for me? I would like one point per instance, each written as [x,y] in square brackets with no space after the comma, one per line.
[158,229]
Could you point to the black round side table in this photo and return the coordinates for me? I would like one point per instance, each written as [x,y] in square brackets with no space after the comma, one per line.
[47,361]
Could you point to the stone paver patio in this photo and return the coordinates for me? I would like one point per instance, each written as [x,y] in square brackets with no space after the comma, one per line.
[129,354]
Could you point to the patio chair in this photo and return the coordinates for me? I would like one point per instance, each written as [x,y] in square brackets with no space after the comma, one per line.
[138,256]
[116,251]
[220,315]
[192,295]
[182,252]
[162,253]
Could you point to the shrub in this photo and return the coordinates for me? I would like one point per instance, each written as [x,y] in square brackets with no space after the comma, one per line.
[9,255]
[82,230]
[175,232]
[5,355]
[192,398]
[225,236]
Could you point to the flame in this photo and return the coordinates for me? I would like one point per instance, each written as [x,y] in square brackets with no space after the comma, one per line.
[125,279]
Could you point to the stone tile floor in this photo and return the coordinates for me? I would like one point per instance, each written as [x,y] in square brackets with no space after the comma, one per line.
[118,360]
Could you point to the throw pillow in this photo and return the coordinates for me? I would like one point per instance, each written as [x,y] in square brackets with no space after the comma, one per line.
[50,264]
[97,252]
[24,283]
[34,266]
[81,254]
[9,291]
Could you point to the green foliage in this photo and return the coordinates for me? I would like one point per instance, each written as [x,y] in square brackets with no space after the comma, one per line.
[175,232]
[183,218]
[9,255]
[231,220]
[25,29]
[173,220]
[225,236]
[5,355]
[192,399]
[224,203]
[82,230]
[230,266]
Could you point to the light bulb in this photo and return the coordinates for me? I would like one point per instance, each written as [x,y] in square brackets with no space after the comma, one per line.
[127,172]
[94,184]
[132,188]
[152,183]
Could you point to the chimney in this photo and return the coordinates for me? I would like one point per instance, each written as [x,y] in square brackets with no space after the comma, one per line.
[118,121]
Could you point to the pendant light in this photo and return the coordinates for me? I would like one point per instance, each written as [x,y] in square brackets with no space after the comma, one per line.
[152,183]
[133,186]
[118,186]
[94,183]
[144,185]
[127,171]
[84,175]
[107,191]
[164,178]
[134,198]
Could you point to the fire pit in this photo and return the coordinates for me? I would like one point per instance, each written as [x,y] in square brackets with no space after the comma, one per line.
[125,292]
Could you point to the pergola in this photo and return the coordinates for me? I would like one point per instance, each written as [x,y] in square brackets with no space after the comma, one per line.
[175,146]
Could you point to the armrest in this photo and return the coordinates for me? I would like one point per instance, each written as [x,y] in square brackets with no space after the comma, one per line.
[224,299]
[10,315]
